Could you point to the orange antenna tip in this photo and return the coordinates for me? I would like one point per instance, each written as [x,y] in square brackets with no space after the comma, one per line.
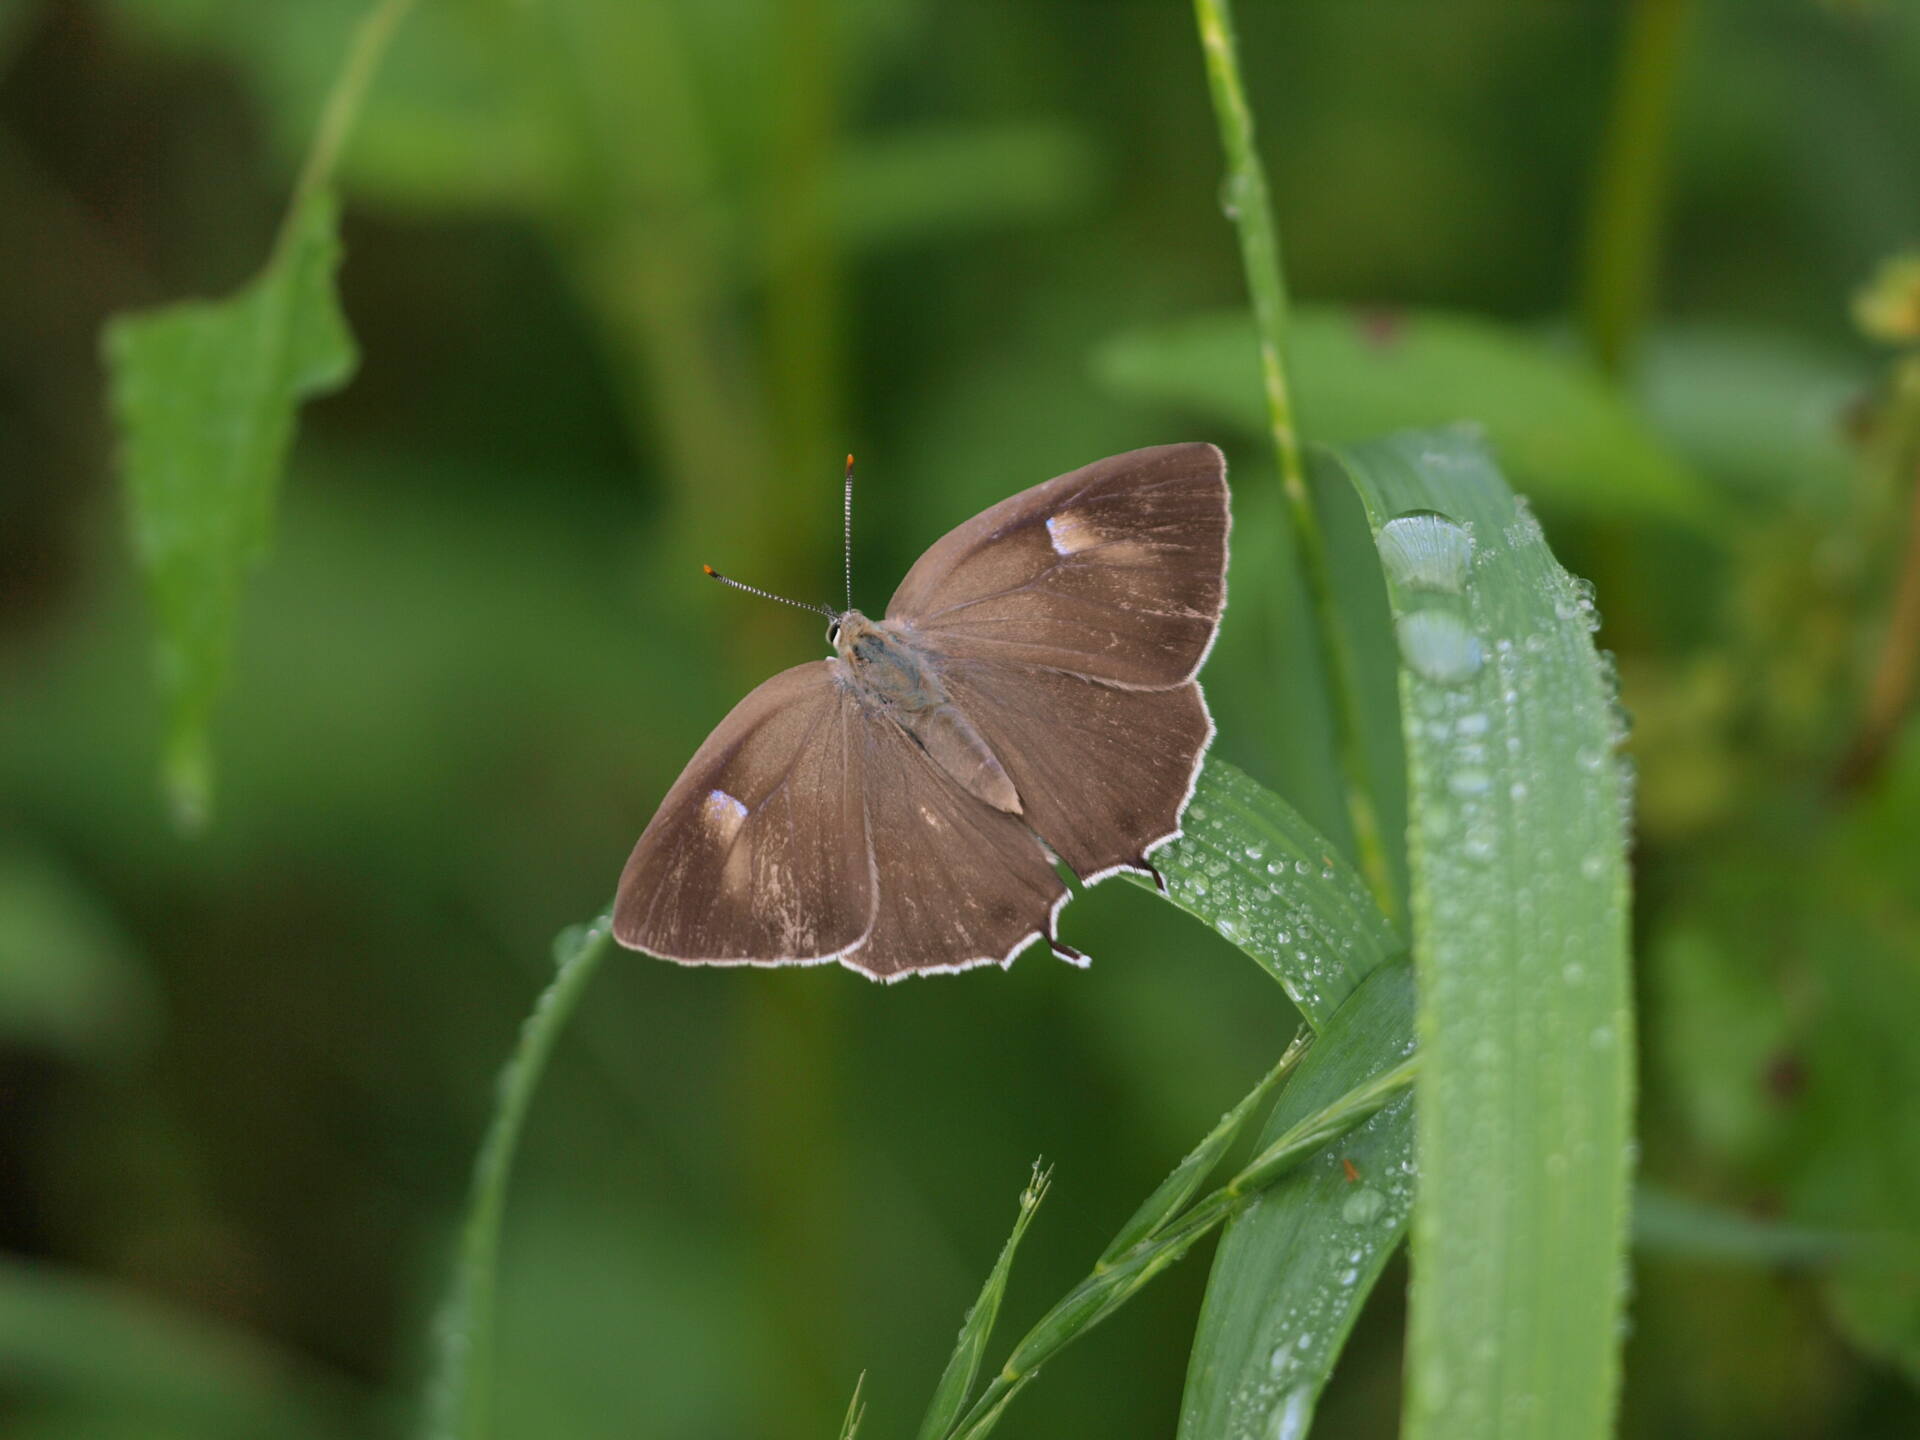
[711,571]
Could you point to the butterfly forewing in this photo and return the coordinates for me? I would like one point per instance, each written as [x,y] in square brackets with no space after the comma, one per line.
[759,853]
[1115,571]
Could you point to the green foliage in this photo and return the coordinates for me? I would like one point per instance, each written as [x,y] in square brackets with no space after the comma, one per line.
[205,395]
[1755,410]
[70,981]
[628,280]
[1566,436]
[1786,992]
[158,1371]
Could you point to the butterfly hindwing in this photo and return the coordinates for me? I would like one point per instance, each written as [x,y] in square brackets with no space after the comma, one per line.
[961,883]
[1103,772]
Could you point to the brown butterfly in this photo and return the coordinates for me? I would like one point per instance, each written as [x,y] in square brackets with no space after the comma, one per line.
[1029,696]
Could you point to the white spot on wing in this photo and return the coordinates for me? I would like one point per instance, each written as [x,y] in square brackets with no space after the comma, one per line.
[1070,533]
[1073,532]
[723,814]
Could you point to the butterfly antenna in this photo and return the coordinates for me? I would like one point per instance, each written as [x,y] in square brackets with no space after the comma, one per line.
[767,594]
[847,531]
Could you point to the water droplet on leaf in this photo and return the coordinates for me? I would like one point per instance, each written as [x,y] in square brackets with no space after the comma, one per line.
[1440,645]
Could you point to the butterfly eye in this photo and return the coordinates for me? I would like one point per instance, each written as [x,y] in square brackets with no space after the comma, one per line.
[833,632]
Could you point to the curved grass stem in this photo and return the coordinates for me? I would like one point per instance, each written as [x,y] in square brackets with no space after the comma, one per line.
[371,38]
[459,1401]
[1251,210]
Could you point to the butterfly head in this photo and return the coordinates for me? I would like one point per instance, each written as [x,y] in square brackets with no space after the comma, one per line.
[851,634]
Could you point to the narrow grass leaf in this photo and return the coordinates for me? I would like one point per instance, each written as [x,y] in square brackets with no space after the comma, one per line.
[1684,1229]
[1112,1284]
[1252,868]
[460,1383]
[205,395]
[856,1412]
[1172,1194]
[1294,1269]
[1517,849]
[1561,427]
[950,1396]
[984,1426]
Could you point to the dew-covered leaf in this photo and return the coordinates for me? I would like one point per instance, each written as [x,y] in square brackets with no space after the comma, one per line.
[1293,1271]
[205,396]
[1517,850]
[1563,432]
[1253,869]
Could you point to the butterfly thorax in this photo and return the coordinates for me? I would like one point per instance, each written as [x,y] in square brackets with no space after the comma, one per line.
[886,666]
[889,672]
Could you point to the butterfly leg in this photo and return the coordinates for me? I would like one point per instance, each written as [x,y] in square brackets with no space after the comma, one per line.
[1159,880]
[1063,951]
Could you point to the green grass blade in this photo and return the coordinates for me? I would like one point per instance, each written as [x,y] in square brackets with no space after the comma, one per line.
[1173,1193]
[459,1389]
[950,1396]
[1249,866]
[1517,849]
[1563,430]
[1293,1271]
[856,1412]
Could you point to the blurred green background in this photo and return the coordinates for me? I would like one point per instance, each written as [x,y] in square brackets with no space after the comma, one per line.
[628,279]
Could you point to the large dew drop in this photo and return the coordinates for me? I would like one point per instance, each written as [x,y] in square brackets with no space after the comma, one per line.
[1292,1416]
[1440,645]
[1424,550]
